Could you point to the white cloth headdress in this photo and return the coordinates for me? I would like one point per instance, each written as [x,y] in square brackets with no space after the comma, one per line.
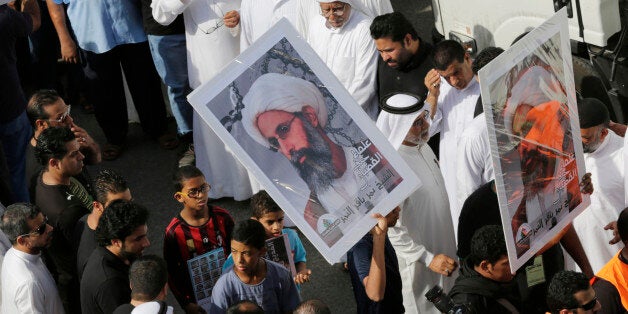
[396,126]
[273,91]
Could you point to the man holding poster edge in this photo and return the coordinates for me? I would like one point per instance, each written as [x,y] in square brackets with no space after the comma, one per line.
[530,106]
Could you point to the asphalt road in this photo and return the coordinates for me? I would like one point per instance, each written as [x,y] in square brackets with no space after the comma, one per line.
[149,169]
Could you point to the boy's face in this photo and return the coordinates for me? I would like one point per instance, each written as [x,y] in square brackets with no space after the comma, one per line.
[194,194]
[245,257]
[272,222]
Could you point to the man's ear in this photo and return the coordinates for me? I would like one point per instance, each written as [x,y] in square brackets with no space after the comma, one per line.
[310,114]
[117,243]
[98,207]
[603,134]
[41,124]
[485,266]
[53,163]
[407,40]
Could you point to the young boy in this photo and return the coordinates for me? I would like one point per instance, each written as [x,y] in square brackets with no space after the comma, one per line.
[266,211]
[199,228]
[252,277]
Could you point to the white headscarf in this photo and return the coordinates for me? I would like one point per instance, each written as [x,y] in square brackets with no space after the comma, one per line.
[396,126]
[273,91]
[2,2]
[370,8]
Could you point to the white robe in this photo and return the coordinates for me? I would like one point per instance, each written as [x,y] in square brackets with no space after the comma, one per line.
[606,166]
[454,112]
[426,214]
[258,16]
[351,55]
[474,165]
[207,55]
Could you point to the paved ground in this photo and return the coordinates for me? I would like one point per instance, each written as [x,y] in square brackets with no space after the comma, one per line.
[148,170]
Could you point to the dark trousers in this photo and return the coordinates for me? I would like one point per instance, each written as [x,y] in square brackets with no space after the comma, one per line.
[105,76]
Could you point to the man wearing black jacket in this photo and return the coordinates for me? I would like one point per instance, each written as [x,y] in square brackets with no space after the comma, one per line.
[483,284]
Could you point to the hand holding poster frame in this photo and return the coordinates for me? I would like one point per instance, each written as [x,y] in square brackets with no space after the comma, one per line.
[291,123]
[531,113]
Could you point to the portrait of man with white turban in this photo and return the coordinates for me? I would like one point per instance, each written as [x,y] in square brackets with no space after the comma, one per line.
[288,115]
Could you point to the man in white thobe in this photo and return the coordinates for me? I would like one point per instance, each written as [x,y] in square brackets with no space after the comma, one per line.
[452,96]
[425,212]
[604,159]
[258,16]
[213,40]
[27,285]
[340,35]
[474,165]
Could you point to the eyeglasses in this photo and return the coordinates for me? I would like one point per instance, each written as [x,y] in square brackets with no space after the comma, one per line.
[40,230]
[337,11]
[282,132]
[589,305]
[63,117]
[420,119]
[194,193]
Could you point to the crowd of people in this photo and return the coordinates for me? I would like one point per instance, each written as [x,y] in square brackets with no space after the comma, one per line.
[448,233]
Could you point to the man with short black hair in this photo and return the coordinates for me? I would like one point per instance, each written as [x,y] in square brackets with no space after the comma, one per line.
[148,278]
[570,292]
[483,281]
[122,237]
[27,285]
[64,200]
[404,60]
[109,186]
[453,93]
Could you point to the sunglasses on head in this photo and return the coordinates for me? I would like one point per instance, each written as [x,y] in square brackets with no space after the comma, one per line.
[589,305]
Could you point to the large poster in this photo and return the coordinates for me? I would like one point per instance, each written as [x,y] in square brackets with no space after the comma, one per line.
[291,123]
[531,112]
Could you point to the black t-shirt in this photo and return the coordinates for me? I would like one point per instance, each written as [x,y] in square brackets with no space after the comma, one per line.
[86,244]
[124,309]
[151,27]
[609,297]
[359,263]
[105,283]
[408,79]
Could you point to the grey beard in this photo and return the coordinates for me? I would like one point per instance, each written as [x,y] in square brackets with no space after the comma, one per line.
[317,171]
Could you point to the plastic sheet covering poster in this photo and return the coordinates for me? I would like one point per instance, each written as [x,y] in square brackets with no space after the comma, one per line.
[292,124]
[205,270]
[529,99]
[278,250]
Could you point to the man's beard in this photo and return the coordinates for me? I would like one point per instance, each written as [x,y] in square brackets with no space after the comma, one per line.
[129,256]
[591,147]
[317,170]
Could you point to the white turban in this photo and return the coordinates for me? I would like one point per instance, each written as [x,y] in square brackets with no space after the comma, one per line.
[396,126]
[274,91]
[536,86]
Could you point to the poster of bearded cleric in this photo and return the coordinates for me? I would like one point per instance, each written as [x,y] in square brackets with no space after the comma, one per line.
[308,143]
[529,99]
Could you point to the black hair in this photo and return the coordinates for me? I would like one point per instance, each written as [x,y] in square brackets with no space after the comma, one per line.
[250,232]
[487,244]
[40,99]
[185,173]
[262,204]
[51,144]
[148,276]
[446,52]
[108,181]
[119,221]
[485,57]
[245,306]
[561,290]
[392,25]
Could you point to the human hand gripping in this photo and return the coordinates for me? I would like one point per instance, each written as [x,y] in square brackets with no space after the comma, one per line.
[613,226]
[303,276]
[381,227]
[232,19]
[443,264]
